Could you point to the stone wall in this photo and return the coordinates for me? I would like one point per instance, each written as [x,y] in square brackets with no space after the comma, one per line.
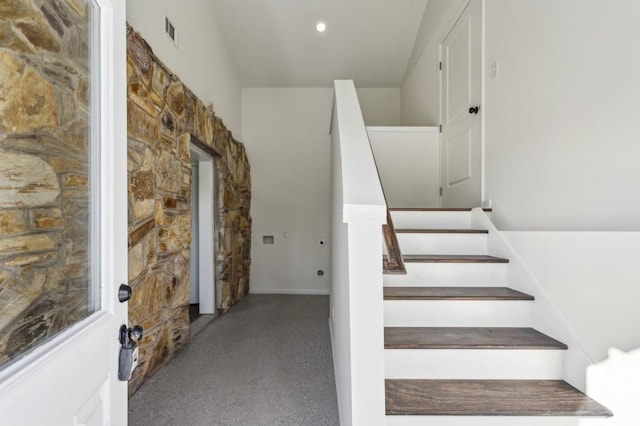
[164,118]
[44,170]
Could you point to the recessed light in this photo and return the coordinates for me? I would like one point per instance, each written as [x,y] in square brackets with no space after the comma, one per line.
[321,27]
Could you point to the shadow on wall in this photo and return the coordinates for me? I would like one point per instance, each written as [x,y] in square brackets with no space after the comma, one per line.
[615,383]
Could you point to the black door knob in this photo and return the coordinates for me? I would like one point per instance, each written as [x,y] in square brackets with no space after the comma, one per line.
[474,110]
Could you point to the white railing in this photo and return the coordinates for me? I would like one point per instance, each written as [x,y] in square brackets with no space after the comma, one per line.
[356,317]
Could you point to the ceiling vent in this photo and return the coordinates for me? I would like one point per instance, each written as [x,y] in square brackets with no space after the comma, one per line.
[170,30]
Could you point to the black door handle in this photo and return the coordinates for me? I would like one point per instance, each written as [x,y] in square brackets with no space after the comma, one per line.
[474,110]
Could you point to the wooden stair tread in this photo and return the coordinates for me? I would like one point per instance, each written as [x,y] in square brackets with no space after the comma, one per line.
[489,398]
[434,209]
[442,231]
[468,338]
[452,258]
[454,293]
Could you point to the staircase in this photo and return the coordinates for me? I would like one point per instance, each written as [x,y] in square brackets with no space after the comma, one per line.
[459,347]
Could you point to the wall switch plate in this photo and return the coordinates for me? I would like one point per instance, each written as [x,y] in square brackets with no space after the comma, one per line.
[494,69]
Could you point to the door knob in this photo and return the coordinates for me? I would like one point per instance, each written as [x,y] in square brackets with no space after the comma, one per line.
[474,110]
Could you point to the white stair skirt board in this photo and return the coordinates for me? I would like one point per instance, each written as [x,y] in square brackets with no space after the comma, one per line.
[481,364]
[442,243]
[457,313]
[431,220]
[450,275]
[480,421]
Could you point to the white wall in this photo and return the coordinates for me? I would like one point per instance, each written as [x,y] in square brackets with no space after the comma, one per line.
[408,160]
[561,116]
[380,106]
[561,122]
[286,133]
[201,59]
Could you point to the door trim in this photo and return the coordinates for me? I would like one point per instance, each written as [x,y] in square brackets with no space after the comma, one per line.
[206,227]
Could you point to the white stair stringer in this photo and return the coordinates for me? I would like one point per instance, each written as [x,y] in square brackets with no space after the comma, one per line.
[449,275]
[457,313]
[434,243]
[480,364]
[431,219]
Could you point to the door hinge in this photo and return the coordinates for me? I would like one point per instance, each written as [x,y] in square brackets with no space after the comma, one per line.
[440,128]
[440,65]
[441,191]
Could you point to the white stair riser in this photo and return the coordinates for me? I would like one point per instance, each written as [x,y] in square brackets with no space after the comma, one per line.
[449,274]
[431,220]
[480,421]
[443,243]
[477,364]
[457,313]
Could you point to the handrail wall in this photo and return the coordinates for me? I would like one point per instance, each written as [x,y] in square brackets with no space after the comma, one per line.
[356,314]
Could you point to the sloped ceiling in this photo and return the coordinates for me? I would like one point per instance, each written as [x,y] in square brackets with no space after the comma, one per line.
[274,43]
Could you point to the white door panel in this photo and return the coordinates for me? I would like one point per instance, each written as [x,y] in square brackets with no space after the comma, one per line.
[71,378]
[461,128]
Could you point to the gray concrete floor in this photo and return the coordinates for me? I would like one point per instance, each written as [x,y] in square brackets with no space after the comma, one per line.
[266,362]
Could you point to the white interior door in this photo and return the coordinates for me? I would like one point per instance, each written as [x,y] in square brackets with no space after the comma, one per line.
[461,86]
[71,377]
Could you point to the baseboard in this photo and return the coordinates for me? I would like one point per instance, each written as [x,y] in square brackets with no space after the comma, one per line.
[311,292]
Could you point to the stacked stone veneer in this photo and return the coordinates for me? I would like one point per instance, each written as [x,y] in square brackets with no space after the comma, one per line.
[164,118]
[44,170]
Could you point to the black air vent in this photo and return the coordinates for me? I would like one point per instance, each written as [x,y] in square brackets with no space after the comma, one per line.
[170,30]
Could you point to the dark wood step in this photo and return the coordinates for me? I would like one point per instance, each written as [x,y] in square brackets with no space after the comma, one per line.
[468,338]
[442,231]
[433,209]
[452,258]
[454,293]
[489,398]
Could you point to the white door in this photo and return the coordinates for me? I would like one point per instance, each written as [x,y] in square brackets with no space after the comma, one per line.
[71,376]
[461,85]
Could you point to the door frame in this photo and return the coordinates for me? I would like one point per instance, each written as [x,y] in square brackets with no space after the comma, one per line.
[206,226]
[458,15]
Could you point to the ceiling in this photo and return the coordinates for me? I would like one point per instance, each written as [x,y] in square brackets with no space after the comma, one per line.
[274,43]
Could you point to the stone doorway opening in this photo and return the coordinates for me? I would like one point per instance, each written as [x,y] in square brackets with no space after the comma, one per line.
[202,297]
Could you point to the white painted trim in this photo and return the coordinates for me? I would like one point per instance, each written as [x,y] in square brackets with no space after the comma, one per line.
[403,129]
[302,292]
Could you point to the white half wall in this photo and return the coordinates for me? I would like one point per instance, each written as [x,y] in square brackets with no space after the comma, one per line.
[286,134]
[561,116]
[200,59]
[593,279]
